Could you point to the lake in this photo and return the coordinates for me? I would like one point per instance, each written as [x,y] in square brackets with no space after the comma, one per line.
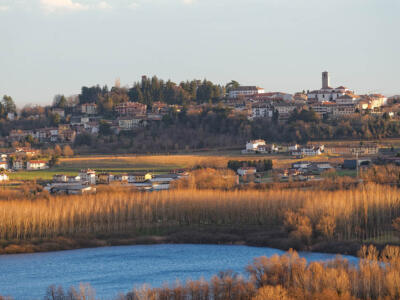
[113,270]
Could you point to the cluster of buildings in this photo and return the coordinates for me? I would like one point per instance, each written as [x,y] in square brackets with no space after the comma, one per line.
[85,118]
[303,170]
[86,180]
[261,146]
[253,101]
[327,102]
[22,158]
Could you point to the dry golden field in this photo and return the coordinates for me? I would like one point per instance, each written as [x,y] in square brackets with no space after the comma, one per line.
[359,214]
[166,162]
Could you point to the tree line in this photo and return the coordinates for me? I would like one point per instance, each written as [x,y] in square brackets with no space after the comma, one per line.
[219,127]
[150,90]
[260,165]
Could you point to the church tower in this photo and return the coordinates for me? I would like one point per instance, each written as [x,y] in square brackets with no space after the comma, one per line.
[325,80]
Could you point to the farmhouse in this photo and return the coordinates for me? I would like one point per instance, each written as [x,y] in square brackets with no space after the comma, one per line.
[139,177]
[301,165]
[74,179]
[18,164]
[71,189]
[105,178]
[256,145]
[36,165]
[367,149]
[165,178]
[309,151]
[121,177]
[243,171]
[3,177]
[60,178]
[88,176]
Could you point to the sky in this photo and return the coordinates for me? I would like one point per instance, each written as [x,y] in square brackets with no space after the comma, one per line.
[50,47]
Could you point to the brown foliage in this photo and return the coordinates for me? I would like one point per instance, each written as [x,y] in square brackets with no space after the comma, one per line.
[298,226]
[290,277]
[382,174]
[208,179]
[360,213]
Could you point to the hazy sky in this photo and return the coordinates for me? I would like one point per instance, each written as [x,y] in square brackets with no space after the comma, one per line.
[56,46]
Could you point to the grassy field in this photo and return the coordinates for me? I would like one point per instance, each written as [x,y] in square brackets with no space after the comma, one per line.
[36,175]
[157,163]
[167,162]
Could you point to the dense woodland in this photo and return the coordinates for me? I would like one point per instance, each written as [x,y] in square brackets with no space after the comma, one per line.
[217,127]
[150,90]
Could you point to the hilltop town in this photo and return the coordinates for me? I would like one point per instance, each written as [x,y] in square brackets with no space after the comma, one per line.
[343,129]
[157,116]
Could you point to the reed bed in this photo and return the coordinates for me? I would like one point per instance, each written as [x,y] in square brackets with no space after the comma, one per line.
[288,277]
[361,213]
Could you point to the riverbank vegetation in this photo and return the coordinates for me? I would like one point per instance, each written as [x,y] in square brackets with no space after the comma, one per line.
[321,220]
[287,277]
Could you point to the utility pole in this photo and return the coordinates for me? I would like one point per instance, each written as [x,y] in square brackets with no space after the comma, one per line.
[357,163]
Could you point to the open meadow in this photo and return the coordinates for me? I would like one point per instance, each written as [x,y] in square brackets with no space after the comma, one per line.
[157,163]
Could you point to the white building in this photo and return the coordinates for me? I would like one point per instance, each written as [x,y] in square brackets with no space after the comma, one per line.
[255,145]
[372,101]
[347,99]
[11,116]
[89,108]
[245,91]
[88,176]
[326,93]
[74,179]
[18,164]
[293,147]
[36,165]
[309,151]
[60,178]
[3,177]
[262,110]
[343,109]
[284,109]
[131,123]
[243,171]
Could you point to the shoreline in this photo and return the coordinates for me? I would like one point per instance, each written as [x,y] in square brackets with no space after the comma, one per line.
[189,237]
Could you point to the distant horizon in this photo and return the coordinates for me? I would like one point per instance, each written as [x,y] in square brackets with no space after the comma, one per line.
[54,47]
[110,85]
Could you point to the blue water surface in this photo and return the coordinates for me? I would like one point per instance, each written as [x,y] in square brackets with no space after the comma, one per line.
[117,269]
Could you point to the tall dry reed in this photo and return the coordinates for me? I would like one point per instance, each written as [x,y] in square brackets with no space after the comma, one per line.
[361,213]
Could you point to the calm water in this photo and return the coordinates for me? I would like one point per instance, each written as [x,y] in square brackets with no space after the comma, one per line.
[111,270]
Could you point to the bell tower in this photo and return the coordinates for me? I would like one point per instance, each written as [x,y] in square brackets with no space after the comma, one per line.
[325,80]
